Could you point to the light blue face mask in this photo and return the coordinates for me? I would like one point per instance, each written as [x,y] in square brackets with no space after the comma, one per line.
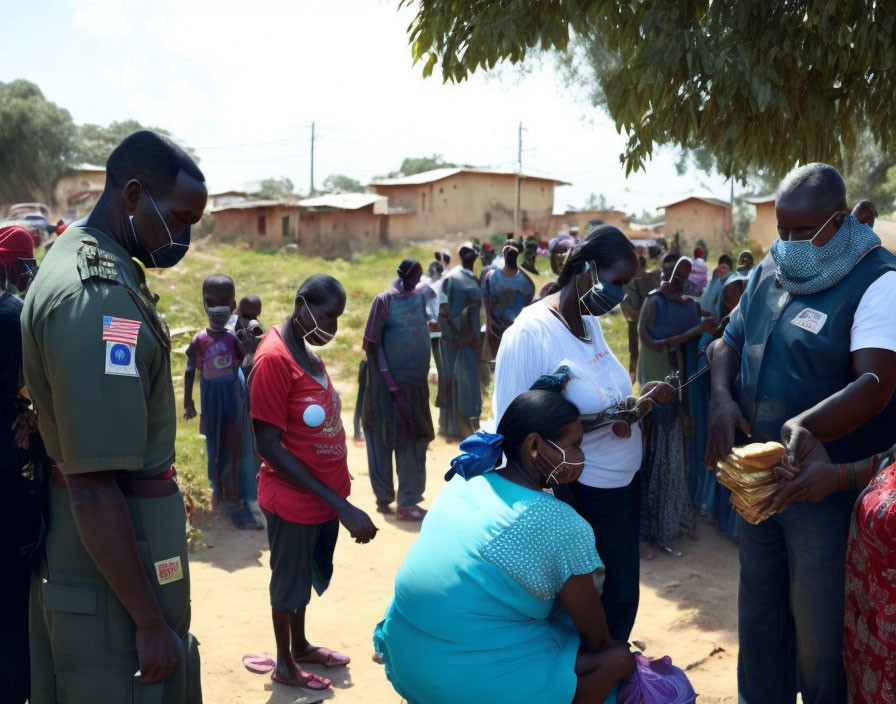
[804,269]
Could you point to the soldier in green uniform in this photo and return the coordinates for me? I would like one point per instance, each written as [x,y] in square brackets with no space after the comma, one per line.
[110,610]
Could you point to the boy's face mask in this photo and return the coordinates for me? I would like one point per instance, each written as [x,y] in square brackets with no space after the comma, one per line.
[218,316]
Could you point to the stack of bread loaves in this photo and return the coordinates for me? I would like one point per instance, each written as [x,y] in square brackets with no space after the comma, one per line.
[749,472]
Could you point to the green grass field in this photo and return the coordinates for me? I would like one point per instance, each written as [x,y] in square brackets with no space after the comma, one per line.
[275,276]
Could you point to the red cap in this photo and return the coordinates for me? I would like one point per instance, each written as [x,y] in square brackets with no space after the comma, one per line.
[15,243]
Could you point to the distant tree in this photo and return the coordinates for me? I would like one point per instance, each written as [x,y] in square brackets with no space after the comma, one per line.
[340,182]
[419,164]
[760,84]
[37,141]
[648,217]
[95,143]
[276,188]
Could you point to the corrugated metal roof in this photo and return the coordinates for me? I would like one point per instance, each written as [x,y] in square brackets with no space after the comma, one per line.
[347,201]
[439,174]
[761,199]
[88,167]
[249,204]
[706,199]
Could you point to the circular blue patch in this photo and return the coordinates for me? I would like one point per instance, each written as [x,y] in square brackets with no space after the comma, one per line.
[314,415]
[120,355]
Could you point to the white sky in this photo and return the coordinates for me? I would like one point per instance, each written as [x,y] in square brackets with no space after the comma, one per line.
[241,82]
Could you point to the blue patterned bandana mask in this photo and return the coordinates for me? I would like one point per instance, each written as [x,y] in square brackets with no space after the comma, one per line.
[804,269]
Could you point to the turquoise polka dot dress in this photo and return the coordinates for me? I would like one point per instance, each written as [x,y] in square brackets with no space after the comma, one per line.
[475,615]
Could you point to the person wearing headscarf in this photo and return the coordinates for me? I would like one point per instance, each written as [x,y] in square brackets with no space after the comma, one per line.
[17,494]
[396,417]
[669,327]
[499,588]
[712,296]
[459,322]
[745,263]
[697,278]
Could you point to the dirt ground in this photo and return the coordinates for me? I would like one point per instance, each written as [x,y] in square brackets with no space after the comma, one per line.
[688,605]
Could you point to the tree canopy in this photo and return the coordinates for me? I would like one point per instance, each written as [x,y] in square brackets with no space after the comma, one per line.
[758,84]
[276,188]
[94,143]
[418,164]
[37,140]
[341,182]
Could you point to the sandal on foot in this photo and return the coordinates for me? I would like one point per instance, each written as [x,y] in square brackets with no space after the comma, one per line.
[312,681]
[259,663]
[410,513]
[326,657]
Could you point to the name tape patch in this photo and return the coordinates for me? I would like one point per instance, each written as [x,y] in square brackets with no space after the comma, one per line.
[169,570]
[811,320]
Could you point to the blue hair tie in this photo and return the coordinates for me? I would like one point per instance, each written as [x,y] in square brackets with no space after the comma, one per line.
[480,453]
[553,382]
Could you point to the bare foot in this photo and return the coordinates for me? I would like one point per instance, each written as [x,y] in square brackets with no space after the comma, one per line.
[647,552]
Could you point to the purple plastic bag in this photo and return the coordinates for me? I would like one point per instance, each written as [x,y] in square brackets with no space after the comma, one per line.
[656,682]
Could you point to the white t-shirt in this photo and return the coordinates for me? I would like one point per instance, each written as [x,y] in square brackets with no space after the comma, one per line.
[872,326]
[534,345]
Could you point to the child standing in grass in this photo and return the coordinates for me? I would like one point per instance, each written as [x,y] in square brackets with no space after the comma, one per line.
[217,354]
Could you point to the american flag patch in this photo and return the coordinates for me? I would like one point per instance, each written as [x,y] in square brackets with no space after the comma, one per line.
[121,330]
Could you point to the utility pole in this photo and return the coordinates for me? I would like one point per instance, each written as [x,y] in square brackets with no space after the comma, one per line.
[519,176]
[311,193]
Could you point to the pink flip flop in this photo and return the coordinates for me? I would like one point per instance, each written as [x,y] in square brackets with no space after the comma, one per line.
[331,658]
[314,682]
[259,663]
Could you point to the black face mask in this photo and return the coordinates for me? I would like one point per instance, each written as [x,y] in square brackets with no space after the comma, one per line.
[170,253]
[602,297]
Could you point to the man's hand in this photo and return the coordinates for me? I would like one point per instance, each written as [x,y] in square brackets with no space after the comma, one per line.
[815,477]
[724,418]
[189,409]
[708,325]
[358,524]
[157,652]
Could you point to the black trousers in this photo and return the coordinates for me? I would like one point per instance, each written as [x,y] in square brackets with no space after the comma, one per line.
[614,514]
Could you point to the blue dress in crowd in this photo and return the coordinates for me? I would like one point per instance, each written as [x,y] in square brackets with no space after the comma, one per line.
[476,615]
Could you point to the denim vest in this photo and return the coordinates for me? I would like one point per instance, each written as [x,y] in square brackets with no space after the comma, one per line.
[796,354]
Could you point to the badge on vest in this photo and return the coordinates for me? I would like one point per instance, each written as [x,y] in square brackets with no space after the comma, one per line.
[811,320]
[169,570]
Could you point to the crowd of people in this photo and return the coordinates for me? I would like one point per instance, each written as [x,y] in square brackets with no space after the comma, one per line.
[526,569]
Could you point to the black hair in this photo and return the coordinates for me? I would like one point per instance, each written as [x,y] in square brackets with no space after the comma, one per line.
[318,288]
[603,245]
[218,281]
[726,259]
[407,266]
[671,257]
[828,188]
[535,411]
[151,159]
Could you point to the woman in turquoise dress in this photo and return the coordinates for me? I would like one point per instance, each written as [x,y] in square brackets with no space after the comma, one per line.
[495,597]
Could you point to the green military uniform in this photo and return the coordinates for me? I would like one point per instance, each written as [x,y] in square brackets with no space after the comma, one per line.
[104,405]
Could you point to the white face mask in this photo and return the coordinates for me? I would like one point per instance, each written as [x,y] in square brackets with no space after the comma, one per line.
[316,336]
[561,463]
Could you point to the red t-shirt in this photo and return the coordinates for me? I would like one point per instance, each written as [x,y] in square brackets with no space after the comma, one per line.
[309,416]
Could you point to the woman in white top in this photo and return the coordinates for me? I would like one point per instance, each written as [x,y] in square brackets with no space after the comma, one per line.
[563,327]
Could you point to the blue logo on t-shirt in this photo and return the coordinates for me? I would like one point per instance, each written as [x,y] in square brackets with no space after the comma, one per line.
[120,355]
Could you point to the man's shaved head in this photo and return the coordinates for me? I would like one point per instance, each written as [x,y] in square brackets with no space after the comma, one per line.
[824,182]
